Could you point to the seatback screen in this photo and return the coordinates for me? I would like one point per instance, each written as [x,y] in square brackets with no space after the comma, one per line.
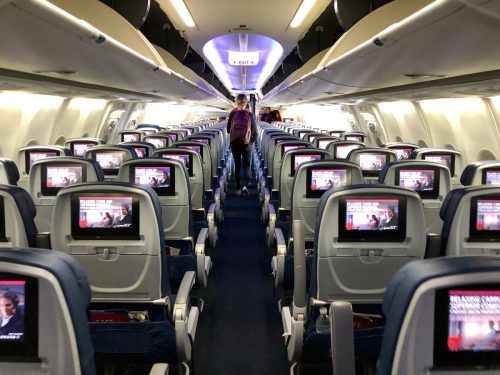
[55,177]
[402,153]
[158,177]
[131,137]
[157,142]
[320,180]
[337,133]
[372,219]
[110,160]
[342,151]
[193,147]
[298,159]
[79,148]
[372,161]
[32,156]
[323,143]
[446,159]
[467,326]
[142,152]
[104,216]
[148,131]
[186,159]
[424,181]
[357,138]
[292,147]
[19,318]
[491,177]
[485,219]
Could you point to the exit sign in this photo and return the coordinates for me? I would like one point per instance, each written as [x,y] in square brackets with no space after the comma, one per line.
[243,58]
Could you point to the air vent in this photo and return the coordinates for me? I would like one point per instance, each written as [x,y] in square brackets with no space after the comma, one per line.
[238,29]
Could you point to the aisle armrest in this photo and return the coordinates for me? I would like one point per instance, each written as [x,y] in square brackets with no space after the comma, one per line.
[342,338]
[278,261]
[218,206]
[272,225]
[159,369]
[203,261]
[265,205]
[184,317]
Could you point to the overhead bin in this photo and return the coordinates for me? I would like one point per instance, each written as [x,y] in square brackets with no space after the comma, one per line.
[404,43]
[93,47]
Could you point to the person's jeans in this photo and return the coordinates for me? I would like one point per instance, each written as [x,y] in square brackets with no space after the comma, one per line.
[241,153]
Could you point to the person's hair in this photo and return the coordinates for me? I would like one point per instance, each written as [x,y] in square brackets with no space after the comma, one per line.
[392,209]
[125,206]
[12,297]
[241,97]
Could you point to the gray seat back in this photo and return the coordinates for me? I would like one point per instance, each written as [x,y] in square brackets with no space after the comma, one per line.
[340,150]
[451,158]
[278,155]
[371,161]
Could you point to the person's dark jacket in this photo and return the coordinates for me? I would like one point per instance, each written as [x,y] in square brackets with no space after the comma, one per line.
[253,137]
[15,325]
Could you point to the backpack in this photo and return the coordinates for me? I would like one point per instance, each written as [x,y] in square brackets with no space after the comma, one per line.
[241,127]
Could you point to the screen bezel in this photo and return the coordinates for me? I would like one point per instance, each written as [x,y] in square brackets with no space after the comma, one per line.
[52,191]
[310,193]
[27,349]
[97,234]
[189,168]
[452,160]
[110,171]
[373,172]
[160,191]
[444,358]
[483,235]
[430,194]
[485,173]
[398,235]
[3,234]
[293,156]
[72,147]
[28,153]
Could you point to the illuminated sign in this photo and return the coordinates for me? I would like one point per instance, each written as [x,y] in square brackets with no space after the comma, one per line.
[243,58]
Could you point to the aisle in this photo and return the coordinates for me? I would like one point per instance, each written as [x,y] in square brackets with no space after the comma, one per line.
[239,333]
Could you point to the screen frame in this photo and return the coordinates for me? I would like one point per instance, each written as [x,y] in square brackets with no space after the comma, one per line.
[310,193]
[27,349]
[452,160]
[444,358]
[52,191]
[311,153]
[28,153]
[160,191]
[189,168]
[398,235]
[430,194]
[98,234]
[484,235]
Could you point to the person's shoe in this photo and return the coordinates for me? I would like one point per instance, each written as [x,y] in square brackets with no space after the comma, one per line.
[238,192]
[246,193]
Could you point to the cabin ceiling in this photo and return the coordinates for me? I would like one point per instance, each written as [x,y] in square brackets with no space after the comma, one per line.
[216,18]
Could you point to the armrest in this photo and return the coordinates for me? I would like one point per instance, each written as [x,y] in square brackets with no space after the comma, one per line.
[218,206]
[279,259]
[203,261]
[286,320]
[265,205]
[182,315]
[212,229]
[159,369]
[342,338]
[272,225]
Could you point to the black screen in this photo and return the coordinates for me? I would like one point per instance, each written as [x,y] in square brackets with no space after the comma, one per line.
[55,177]
[159,177]
[372,219]
[467,326]
[445,159]
[19,312]
[424,181]
[104,216]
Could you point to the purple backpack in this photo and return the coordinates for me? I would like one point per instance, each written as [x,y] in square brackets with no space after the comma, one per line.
[241,127]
